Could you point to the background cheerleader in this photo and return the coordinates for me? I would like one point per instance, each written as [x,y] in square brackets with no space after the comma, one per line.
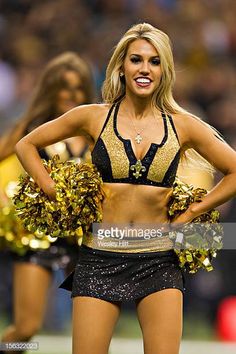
[65,83]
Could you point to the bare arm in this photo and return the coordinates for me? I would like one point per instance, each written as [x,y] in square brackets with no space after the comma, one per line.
[73,123]
[221,156]
[10,138]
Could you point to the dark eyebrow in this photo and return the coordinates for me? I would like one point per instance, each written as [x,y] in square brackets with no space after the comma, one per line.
[138,55]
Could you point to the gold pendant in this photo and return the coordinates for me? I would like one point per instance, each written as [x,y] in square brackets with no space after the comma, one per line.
[138,168]
[138,138]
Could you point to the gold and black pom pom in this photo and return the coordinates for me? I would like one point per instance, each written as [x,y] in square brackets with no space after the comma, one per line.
[195,243]
[13,235]
[79,196]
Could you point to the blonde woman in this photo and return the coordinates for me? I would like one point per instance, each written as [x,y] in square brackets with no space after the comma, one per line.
[65,83]
[137,143]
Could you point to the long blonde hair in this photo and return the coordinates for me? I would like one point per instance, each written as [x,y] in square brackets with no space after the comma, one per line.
[113,89]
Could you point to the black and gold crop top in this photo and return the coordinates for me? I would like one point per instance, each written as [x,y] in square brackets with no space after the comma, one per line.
[115,159]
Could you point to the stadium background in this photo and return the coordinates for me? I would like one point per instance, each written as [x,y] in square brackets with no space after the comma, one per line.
[204,43]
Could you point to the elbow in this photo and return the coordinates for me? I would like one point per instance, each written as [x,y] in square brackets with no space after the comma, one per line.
[19,147]
[23,147]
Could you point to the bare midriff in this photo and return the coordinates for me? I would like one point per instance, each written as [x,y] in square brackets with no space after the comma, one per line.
[134,206]
[127,203]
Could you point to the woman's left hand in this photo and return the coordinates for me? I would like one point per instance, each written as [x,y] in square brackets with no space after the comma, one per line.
[187,216]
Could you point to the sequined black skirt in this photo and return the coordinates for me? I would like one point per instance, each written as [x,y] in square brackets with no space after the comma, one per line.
[60,254]
[115,276]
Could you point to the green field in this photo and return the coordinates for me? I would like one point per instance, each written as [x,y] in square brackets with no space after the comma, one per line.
[198,338]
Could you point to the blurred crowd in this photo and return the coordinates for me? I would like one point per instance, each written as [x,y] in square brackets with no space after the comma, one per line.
[203,34]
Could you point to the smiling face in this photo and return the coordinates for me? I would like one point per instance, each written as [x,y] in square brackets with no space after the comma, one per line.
[142,69]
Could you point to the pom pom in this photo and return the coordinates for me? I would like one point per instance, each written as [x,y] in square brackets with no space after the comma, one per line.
[78,201]
[196,243]
[13,235]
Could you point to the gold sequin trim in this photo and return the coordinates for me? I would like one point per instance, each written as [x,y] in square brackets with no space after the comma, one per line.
[164,244]
[164,156]
[116,151]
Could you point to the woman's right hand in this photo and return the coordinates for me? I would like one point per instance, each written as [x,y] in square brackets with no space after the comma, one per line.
[50,190]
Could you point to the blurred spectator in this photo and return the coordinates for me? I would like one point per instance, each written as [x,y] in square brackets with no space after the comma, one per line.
[7,85]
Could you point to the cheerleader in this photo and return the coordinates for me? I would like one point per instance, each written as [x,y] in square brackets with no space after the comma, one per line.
[65,83]
[139,140]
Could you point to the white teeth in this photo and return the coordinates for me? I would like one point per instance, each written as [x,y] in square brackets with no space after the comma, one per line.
[143,80]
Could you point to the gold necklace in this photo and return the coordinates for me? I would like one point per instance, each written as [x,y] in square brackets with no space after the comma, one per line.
[138,137]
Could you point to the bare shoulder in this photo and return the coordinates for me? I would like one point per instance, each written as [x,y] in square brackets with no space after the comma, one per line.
[206,141]
[188,127]
[93,107]
[93,117]
[91,110]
